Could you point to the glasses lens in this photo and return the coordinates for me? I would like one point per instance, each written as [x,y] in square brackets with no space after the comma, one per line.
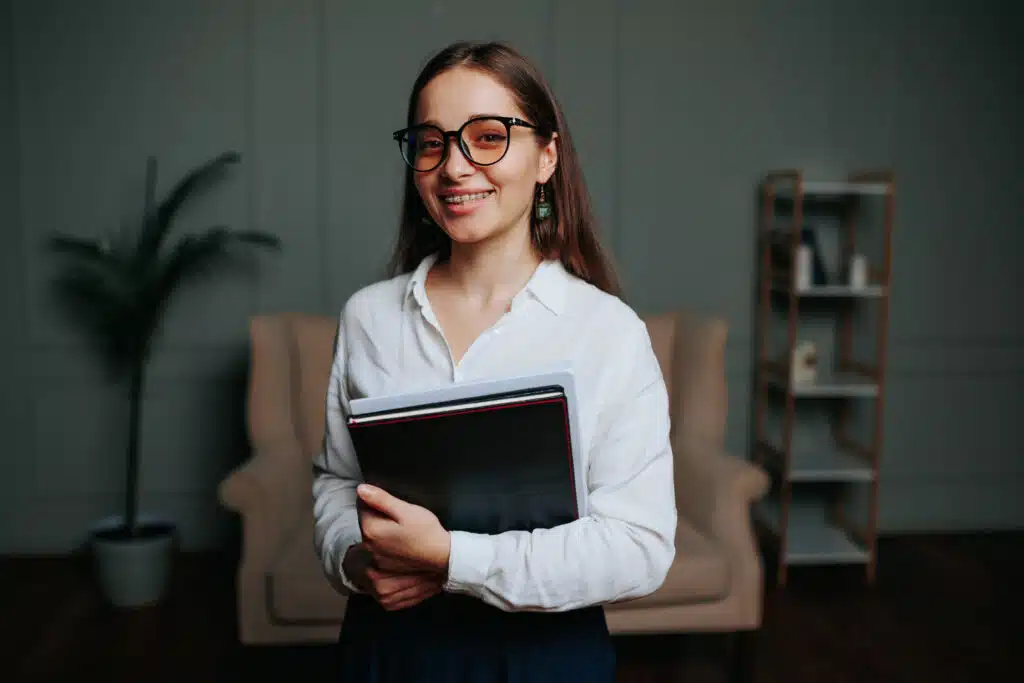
[486,140]
[423,147]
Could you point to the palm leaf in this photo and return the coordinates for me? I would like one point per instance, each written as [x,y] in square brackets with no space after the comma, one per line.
[158,217]
[193,257]
[199,255]
[100,305]
[256,238]
[84,249]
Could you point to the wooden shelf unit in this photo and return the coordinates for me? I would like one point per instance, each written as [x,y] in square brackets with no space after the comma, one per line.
[816,529]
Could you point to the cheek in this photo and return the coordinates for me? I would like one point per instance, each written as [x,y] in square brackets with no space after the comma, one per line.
[516,180]
[424,186]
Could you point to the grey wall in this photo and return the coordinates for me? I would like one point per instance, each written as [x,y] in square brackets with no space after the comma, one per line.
[677,108]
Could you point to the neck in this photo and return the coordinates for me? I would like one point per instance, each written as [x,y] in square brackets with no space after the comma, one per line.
[494,270]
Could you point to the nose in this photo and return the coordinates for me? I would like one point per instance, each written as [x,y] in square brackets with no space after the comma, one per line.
[456,165]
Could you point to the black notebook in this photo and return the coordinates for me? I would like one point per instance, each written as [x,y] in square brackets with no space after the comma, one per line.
[486,463]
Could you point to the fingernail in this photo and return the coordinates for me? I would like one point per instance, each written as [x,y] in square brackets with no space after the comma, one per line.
[365,489]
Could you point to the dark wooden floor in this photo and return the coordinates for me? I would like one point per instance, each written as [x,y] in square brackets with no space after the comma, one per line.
[942,611]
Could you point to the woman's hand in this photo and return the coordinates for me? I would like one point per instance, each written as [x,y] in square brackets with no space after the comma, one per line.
[402,538]
[399,591]
[394,591]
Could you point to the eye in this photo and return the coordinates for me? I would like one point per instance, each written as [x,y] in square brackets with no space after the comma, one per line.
[486,133]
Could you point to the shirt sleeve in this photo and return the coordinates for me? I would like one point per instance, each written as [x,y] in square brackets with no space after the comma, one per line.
[625,544]
[336,474]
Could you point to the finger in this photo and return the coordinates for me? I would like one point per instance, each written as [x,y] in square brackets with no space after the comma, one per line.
[382,501]
[412,601]
[411,596]
[392,564]
[369,516]
[374,527]
[386,584]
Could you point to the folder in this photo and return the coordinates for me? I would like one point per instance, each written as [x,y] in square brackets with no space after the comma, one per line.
[485,457]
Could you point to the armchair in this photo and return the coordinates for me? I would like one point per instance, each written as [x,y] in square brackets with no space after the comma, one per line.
[715,584]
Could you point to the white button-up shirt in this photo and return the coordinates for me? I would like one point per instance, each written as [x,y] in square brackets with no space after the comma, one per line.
[389,341]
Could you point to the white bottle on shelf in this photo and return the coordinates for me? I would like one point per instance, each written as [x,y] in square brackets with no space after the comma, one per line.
[803,268]
[858,272]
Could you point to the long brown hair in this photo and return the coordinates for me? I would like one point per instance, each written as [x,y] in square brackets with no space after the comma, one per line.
[569,233]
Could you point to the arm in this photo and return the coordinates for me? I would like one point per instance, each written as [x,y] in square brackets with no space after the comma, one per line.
[270,492]
[336,474]
[623,548]
[715,492]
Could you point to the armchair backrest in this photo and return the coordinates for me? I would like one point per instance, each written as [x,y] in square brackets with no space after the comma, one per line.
[691,351]
[290,358]
[313,337]
[269,413]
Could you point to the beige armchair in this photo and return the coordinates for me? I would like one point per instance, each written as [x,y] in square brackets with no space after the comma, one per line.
[715,584]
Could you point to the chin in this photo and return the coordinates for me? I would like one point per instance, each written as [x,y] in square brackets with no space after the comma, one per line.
[469,232]
[470,238]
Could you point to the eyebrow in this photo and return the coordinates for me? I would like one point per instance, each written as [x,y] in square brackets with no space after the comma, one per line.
[477,115]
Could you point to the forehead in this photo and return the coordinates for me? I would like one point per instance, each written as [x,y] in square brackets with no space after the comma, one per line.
[457,94]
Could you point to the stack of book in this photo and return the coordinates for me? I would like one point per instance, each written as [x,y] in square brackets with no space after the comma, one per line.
[486,456]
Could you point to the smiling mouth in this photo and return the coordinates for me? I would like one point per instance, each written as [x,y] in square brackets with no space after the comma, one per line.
[463,198]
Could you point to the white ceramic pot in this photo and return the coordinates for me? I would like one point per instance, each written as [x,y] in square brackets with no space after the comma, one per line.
[133,571]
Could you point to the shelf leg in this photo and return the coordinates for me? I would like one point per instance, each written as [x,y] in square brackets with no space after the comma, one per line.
[787,433]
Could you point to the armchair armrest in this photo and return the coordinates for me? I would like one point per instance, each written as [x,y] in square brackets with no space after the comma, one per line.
[270,491]
[714,492]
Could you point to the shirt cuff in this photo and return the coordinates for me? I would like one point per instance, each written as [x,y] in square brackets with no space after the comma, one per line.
[469,561]
[343,545]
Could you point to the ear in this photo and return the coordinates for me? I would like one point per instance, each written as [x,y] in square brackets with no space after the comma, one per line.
[547,160]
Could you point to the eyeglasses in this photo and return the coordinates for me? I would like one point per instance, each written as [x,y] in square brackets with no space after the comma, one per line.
[484,140]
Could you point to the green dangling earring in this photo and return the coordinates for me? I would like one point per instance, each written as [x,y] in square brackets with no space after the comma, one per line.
[543,206]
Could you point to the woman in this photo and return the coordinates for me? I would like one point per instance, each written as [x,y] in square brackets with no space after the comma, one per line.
[497,268]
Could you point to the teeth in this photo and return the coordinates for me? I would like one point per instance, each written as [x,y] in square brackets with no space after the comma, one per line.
[459,199]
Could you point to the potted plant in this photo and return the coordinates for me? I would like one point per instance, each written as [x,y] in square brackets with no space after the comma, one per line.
[119,289]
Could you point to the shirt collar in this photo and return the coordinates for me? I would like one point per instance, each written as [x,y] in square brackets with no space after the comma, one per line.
[416,287]
[548,283]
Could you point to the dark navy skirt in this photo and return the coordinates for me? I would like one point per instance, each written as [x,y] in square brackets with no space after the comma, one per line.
[458,639]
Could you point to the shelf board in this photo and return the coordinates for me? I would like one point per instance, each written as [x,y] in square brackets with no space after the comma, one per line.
[825,189]
[810,462]
[836,385]
[811,539]
[833,291]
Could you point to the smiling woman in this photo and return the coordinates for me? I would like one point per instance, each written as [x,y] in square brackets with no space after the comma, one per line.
[497,270]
